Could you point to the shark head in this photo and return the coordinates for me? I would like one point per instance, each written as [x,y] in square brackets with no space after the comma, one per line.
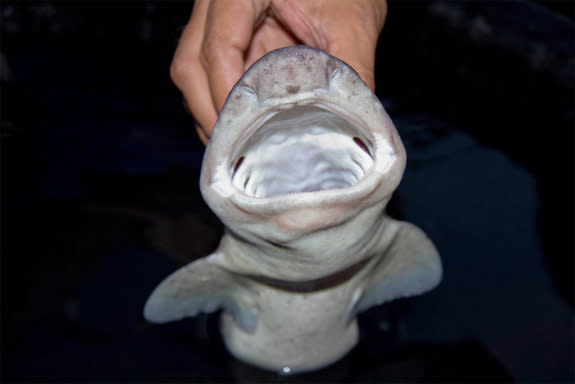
[303,159]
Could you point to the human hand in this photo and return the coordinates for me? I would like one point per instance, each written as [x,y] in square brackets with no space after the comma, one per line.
[224,37]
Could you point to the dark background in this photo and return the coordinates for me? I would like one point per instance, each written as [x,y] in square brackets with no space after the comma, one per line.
[100,199]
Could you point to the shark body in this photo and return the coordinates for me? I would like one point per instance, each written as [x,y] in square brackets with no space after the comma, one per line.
[300,166]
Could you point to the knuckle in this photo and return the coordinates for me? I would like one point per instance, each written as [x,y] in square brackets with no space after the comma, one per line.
[179,70]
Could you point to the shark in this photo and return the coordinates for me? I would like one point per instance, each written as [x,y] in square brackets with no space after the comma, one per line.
[300,166]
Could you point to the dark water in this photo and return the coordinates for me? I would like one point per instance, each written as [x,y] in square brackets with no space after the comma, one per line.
[100,199]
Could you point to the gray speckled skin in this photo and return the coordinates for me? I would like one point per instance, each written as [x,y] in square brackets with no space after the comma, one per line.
[292,271]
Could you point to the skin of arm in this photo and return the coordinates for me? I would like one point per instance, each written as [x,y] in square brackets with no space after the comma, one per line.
[224,37]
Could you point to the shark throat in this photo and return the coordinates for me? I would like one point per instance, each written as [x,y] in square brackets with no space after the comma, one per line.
[306,148]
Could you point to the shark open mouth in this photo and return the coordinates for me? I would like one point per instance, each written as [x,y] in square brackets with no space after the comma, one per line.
[306,148]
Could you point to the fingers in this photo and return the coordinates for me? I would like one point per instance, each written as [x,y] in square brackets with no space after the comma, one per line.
[360,56]
[356,45]
[210,55]
[203,134]
[269,35]
[346,29]
[229,29]
[189,75]
[223,37]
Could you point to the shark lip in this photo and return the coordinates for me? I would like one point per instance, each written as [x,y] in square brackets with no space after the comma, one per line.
[301,148]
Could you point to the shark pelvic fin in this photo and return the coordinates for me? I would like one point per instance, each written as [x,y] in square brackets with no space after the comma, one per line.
[202,286]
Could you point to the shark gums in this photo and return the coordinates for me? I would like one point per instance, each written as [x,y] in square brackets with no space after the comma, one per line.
[300,167]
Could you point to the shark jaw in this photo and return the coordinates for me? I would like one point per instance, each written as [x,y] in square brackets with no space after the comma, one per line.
[301,149]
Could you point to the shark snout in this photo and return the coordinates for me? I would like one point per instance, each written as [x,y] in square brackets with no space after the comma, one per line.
[300,70]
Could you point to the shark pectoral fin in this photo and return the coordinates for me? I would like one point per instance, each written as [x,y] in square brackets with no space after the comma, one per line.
[202,286]
[409,266]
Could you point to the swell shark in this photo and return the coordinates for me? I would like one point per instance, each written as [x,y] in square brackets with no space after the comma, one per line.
[300,166]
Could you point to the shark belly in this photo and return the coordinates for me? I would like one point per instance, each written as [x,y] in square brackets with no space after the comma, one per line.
[296,332]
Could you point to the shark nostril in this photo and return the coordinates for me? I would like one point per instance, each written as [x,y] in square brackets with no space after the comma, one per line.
[334,74]
[247,90]
[360,143]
